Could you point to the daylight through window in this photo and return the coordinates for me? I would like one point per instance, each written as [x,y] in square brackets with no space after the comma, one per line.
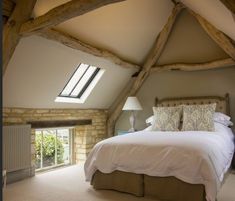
[80,84]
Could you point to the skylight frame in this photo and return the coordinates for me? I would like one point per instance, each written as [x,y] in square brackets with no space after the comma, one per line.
[83,71]
[84,90]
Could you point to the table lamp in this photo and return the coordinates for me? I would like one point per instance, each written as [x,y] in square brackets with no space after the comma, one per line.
[133,105]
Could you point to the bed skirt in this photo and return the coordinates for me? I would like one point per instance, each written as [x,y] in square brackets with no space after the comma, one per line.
[163,188]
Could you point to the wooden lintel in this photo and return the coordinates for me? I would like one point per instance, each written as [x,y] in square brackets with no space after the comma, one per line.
[143,74]
[62,13]
[74,43]
[21,13]
[59,123]
[226,43]
[222,63]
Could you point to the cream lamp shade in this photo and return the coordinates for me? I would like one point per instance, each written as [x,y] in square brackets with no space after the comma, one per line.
[132,103]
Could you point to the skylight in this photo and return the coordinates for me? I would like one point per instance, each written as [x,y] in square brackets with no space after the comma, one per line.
[80,85]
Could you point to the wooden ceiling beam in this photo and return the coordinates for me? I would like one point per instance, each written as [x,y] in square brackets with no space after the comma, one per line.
[222,63]
[229,4]
[150,61]
[21,13]
[226,43]
[62,13]
[7,7]
[74,43]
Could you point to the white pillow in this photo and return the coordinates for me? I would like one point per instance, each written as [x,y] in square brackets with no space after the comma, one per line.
[221,116]
[222,119]
[150,120]
[225,122]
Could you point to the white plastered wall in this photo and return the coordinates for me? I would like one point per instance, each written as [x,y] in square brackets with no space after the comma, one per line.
[39,69]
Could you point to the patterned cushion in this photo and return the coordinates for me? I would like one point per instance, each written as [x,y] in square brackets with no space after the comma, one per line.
[167,118]
[198,117]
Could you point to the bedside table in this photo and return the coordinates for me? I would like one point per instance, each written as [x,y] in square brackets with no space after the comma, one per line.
[121,132]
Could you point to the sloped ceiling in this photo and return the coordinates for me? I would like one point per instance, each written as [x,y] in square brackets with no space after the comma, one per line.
[128,28]
[40,68]
[189,43]
[216,13]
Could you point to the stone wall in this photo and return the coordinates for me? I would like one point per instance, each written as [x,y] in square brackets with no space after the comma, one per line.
[85,136]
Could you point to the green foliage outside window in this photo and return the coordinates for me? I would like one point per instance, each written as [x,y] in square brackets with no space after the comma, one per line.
[49,150]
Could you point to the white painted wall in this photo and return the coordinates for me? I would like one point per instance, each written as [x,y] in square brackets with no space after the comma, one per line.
[177,84]
[39,69]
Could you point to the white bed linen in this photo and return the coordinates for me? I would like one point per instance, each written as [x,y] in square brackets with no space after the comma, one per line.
[192,156]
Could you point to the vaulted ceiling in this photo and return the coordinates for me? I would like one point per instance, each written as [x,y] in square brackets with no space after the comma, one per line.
[129,28]
[40,68]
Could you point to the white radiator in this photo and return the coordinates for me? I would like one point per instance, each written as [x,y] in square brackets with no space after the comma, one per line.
[16,147]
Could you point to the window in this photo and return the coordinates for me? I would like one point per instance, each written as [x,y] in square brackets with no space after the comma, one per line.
[53,148]
[80,84]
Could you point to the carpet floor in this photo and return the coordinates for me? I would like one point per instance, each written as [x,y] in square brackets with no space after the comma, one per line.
[68,184]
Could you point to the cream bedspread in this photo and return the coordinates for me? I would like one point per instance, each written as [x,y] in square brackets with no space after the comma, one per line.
[192,156]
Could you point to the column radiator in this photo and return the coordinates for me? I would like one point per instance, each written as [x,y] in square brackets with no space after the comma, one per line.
[17,149]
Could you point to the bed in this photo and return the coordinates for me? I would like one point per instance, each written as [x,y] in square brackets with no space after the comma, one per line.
[167,166]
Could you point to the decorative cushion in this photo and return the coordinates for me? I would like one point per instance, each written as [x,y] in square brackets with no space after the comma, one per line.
[166,118]
[198,117]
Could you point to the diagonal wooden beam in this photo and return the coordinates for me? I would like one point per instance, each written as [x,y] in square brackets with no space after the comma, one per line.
[62,13]
[222,63]
[21,13]
[7,7]
[229,4]
[150,61]
[74,43]
[226,43]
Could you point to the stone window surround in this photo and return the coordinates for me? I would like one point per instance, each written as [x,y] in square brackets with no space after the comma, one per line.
[85,136]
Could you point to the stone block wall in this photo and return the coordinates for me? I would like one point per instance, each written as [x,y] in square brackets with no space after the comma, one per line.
[85,136]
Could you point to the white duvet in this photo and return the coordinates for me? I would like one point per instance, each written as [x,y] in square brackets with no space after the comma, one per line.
[195,157]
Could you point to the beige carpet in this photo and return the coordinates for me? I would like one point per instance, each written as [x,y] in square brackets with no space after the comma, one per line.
[68,184]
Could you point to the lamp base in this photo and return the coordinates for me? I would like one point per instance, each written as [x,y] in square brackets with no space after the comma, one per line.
[132,122]
[131,130]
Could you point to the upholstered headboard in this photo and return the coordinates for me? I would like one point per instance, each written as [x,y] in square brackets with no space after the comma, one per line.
[222,103]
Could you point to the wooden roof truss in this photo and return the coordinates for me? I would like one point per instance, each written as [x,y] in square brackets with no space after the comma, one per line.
[17,24]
